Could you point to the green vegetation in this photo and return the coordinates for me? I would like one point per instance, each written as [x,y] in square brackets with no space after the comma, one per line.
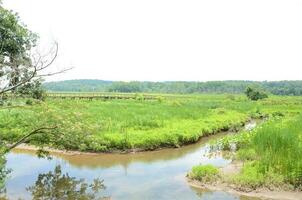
[255,93]
[2,173]
[292,88]
[32,89]
[279,148]
[271,154]
[15,55]
[250,178]
[124,124]
[204,173]
[135,124]
[16,41]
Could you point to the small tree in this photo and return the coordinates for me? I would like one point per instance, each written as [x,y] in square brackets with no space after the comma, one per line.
[255,93]
[32,89]
[21,67]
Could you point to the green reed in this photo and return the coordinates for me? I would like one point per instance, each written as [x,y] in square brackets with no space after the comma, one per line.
[279,147]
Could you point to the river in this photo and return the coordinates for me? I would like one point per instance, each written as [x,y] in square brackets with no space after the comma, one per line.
[145,175]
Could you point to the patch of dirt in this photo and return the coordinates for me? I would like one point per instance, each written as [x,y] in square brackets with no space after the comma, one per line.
[262,193]
[232,168]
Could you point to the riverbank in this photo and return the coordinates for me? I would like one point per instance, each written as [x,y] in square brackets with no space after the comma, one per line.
[249,125]
[266,162]
[234,168]
[259,193]
[31,148]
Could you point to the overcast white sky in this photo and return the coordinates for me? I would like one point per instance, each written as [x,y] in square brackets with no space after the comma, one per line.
[159,40]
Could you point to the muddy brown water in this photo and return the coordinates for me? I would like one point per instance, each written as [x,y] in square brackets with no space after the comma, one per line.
[145,175]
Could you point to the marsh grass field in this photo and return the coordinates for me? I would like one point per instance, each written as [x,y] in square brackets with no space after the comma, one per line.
[136,124]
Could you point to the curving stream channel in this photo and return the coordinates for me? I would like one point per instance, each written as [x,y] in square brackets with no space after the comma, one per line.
[146,175]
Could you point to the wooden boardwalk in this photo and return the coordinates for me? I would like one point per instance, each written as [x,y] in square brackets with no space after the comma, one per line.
[101,96]
[104,96]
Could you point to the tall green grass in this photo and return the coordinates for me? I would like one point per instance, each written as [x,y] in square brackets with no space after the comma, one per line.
[278,145]
[272,153]
[204,173]
[135,124]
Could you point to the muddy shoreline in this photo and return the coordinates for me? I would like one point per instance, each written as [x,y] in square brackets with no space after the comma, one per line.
[234,168]
[259,193]
[32,148]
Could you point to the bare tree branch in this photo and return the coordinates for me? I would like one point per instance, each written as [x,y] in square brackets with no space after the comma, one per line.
[34,132]
[34,70]
[20,83]
[52,59]
[55,73]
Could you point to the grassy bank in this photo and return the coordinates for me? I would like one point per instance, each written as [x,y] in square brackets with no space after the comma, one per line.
[135,124]
[271,156]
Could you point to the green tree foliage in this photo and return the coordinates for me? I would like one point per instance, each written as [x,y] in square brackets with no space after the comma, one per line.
[2,173]
[16,43]
[126,87]
[255,93]
[3,170]
[32,89]
[19,65]
[56,185]
[16,67]
[16,39]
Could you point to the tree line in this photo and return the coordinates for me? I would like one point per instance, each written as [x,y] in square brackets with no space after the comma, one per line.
[293,88]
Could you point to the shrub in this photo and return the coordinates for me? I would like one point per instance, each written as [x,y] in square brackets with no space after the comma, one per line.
[39,94]
[255,94]
[29,102]
[204,173]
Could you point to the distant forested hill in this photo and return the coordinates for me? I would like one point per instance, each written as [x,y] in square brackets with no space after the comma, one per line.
[82,85]
[87,85]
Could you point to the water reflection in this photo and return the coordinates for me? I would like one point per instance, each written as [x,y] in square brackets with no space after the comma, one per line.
[56,185]
[146,175]
[107,160]
[94,161]
[3,177]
